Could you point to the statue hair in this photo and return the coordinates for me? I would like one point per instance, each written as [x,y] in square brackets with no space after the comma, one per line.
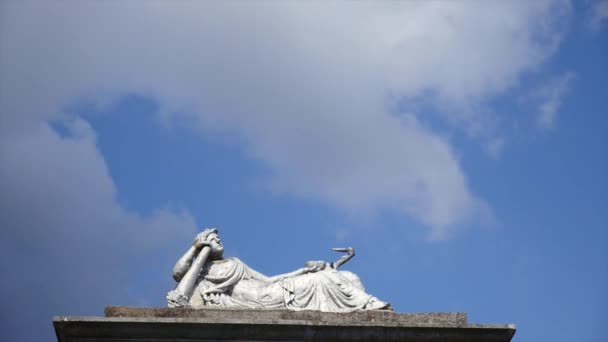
[209,231]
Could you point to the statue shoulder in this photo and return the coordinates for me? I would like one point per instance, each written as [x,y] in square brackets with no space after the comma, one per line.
[236,261]
[228,262]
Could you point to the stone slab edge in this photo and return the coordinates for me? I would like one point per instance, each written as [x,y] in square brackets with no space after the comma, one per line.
[143,329]
[266,316]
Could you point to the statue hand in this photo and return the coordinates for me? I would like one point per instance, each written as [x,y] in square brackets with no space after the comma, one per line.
[200,241]
[314,266]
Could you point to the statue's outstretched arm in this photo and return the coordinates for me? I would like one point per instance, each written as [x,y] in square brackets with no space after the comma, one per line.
[260,276]
[257,275]
[309,266]
[183,264]
[287,275]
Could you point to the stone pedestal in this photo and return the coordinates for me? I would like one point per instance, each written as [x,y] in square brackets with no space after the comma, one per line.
[163,324]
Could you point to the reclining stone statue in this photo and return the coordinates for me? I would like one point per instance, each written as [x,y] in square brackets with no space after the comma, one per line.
[206,280]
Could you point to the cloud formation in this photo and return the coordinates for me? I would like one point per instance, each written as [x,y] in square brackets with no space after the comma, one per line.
[552,94]
[66,245]
[598,15]
[309,88]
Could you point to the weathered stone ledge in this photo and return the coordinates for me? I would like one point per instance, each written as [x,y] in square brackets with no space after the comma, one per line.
[361,318]
[164,324]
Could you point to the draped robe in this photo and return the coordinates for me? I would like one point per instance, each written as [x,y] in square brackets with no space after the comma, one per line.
[231,283]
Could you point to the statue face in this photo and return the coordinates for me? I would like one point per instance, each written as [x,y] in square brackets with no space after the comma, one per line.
[217,249]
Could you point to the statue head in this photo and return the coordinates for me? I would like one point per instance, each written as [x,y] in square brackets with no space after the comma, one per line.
[217,249]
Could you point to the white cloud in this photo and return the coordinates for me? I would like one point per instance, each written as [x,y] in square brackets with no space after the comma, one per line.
[552,94]
[64,184]
[598,15]
[305,86]
[495,146]
[66,245]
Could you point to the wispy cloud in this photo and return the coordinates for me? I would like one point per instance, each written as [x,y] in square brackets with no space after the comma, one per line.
[495,147]
[552,96]
[598,15]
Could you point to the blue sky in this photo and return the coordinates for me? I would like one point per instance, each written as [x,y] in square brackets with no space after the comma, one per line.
[460,149]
